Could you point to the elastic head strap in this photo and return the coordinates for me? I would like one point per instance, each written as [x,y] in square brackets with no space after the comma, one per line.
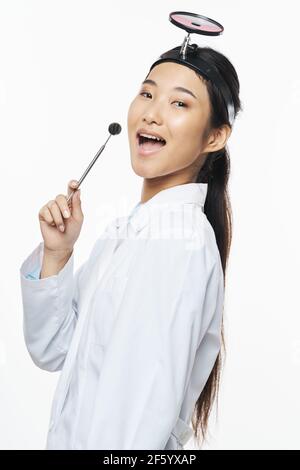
[208,71]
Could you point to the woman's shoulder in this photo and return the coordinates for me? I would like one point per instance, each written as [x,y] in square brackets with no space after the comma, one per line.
[181,226]
[203,229]
[201,238]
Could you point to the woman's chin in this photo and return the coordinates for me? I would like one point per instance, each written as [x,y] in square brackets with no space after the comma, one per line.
[144,169]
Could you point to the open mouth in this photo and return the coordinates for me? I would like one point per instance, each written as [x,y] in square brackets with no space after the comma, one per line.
[150,143]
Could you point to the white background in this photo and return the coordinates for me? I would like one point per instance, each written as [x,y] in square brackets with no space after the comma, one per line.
[68,69]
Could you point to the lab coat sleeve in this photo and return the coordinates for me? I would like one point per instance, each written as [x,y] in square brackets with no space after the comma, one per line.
[34,274]
[49,310]
[166,307]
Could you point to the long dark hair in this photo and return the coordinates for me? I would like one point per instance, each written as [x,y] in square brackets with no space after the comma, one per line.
[215,171]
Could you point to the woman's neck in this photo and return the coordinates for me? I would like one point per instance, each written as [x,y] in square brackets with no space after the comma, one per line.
[155,185]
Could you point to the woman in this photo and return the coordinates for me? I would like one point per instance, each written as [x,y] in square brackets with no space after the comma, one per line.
[137,331]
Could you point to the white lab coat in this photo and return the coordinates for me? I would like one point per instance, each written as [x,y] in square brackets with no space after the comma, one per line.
[135,332]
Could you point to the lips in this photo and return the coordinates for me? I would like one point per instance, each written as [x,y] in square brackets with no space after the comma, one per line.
[149,146]
[146,134]
[149,142]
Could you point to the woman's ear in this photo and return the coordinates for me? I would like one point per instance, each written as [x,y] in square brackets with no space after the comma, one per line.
[217,139]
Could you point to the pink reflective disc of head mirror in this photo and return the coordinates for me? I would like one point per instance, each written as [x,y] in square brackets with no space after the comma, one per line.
[199,24]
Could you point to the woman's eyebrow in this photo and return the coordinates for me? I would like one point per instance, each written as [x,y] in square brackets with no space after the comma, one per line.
[177,88]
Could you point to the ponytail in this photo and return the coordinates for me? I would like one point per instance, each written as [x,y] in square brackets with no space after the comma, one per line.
[215,172]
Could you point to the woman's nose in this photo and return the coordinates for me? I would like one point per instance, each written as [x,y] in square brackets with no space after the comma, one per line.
[153,114]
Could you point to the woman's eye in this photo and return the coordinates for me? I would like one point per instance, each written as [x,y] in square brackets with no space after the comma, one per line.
[148,95]
[182,104]
[145,93]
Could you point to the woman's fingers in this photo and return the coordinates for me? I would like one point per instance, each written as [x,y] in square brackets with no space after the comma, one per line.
[58,210]
[56,215]
[61,201]
[45,215]
[72,187]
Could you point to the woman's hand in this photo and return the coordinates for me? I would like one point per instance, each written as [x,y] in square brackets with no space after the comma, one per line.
[61,224]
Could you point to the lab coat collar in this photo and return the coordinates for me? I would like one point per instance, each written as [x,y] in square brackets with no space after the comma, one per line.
[188,193]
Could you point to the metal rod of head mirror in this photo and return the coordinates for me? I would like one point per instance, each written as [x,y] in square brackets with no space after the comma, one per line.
[113,129]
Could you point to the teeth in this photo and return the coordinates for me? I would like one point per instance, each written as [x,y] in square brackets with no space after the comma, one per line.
[151,137]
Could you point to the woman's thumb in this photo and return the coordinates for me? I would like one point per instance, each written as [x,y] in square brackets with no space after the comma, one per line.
[76,203]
